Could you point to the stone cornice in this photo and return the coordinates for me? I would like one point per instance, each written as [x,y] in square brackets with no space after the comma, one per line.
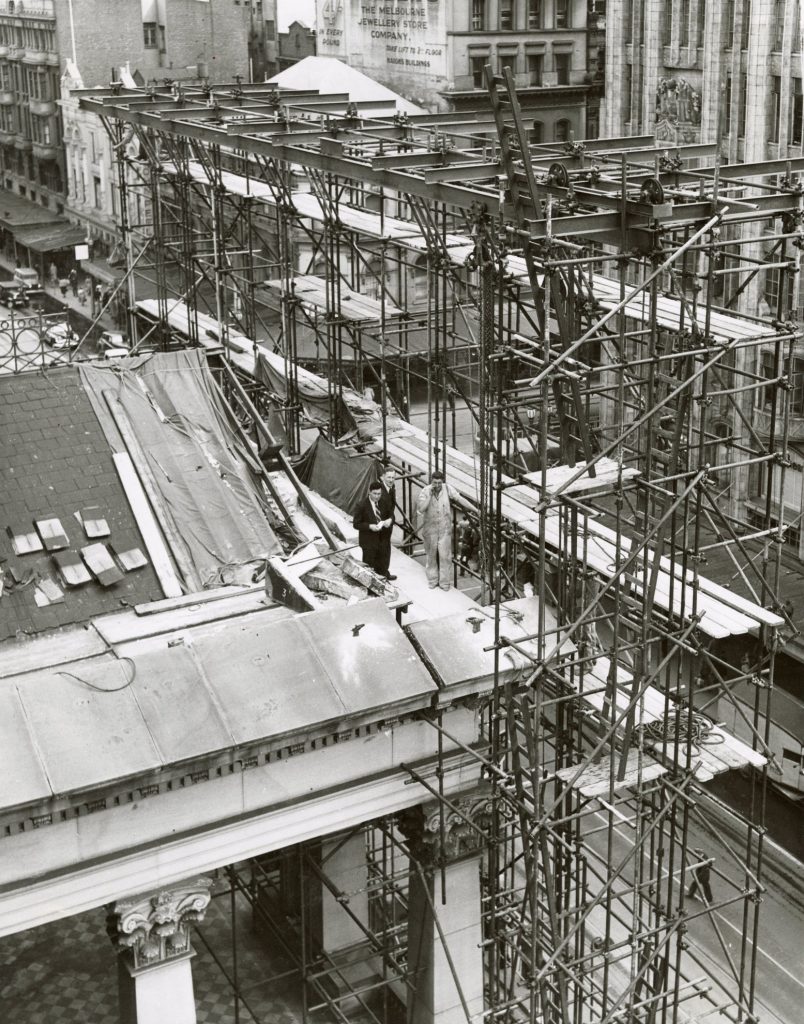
[88,883]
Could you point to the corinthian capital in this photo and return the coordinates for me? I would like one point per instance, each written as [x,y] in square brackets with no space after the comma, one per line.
[155,926]
[435,835]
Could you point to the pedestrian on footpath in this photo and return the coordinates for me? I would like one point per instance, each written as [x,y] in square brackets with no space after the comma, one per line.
[72,277]
[701,874]
[53,276]
[434,514]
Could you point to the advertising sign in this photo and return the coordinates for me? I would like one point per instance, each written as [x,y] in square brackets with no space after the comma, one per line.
[402,45]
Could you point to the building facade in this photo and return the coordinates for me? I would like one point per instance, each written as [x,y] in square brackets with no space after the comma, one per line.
[144,41]
[296,44]
[263,40]
[434,53]
[31,157]
[698,71]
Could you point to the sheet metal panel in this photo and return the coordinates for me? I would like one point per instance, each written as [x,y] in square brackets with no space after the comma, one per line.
[22,776]
[268,678]
[455,646]
[175,700]
[87,737]
[369,666]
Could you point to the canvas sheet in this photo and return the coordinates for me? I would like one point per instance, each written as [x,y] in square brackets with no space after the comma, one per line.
[313,396]
[201,469]
[337,474]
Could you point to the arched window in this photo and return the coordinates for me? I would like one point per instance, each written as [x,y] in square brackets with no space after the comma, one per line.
[537,133]
[562,130]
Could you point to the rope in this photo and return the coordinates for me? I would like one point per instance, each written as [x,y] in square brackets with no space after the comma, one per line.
[105,689]
[696,731]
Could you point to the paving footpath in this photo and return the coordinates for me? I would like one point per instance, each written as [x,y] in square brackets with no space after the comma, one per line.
[82,304]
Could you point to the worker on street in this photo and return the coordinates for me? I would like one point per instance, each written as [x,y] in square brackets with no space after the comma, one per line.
[700,878]
[72,277]
[434,515]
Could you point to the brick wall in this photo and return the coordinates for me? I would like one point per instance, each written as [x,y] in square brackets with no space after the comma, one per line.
[109,32]
[216,31]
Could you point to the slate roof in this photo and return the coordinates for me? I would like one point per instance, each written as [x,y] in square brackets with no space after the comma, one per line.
[54,460]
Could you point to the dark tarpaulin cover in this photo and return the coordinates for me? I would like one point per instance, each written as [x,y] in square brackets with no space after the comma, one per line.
[336,474]
[313,397]
[352,411]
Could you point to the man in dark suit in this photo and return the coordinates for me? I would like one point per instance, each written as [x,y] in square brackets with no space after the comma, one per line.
[387,505]
[369,522]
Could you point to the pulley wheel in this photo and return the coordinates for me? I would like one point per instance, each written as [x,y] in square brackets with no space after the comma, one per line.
[652,191]
[557,175]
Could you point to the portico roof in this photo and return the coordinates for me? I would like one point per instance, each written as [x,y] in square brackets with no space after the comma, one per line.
[257,685]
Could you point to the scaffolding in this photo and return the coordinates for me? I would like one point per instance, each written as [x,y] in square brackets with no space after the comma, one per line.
[562,316]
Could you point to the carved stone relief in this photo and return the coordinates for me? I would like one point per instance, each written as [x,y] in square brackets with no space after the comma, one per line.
[465,827]
[678,111]
[156,926]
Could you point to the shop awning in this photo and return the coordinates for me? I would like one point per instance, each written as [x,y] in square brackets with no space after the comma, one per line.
[103,272]
[50,237]
[18,212]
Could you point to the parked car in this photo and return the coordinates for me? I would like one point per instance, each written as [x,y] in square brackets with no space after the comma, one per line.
[113,345]
[13,295]
[27,277]
[60,336]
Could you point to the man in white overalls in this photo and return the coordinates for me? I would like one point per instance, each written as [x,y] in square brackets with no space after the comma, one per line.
[434,514]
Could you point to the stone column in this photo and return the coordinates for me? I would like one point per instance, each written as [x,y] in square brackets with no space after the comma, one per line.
[754,149]
[152,935]
[344,864]
[716,65]
[445,951]
[652,61]
[616,58]
[344,907]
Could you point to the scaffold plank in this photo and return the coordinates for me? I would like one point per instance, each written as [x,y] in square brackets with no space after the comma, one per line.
[607,473]
[315,291]
[601,779]
[721,753]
